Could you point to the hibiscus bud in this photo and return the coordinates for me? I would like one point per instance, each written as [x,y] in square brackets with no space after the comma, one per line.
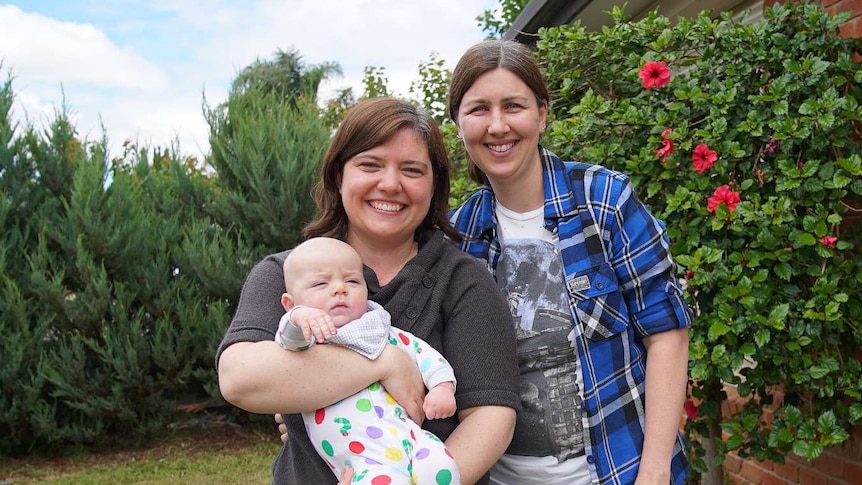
[772,146]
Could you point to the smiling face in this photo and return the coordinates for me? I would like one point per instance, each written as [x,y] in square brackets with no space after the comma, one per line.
[500,121]
[369,125]
[326,274]
[386,190]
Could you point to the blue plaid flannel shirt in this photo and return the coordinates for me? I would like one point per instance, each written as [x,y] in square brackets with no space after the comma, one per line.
[622,287]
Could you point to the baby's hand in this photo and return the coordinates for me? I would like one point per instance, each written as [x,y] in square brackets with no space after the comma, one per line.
[313,322]
[440,401]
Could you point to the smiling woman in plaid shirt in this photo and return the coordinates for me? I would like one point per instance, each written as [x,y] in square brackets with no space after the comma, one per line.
[601,322]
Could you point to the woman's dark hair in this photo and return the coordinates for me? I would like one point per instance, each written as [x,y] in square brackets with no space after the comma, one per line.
[368,124]
[486,56]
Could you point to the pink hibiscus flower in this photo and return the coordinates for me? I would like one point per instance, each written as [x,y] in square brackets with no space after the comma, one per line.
[723,195]
[703,158]
[666,146]
[655,74]
[829,241]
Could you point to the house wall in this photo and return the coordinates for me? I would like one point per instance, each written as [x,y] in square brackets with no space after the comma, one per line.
[838,465]
[853,27]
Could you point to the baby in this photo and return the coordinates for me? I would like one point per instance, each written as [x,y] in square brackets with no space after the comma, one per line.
[326,300]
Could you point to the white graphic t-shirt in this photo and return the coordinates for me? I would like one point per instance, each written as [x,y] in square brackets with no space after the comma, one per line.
[550,425]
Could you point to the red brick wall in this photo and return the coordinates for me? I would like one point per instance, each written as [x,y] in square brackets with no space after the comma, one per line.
[838,465]
[853,27]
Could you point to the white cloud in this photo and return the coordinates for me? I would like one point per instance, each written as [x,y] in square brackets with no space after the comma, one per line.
[48,50]
[140,67]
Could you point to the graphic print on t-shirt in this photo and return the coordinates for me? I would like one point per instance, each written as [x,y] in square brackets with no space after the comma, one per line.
[531,275]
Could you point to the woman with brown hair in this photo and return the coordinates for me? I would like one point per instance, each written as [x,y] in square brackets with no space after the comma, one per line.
[384,191]
[600,319]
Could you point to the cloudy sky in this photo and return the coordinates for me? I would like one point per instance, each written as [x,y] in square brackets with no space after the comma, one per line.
[141,68]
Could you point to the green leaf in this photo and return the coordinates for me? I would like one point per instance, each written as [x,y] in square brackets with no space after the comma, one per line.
[839,181]
[717,329]
[809,107]
[793,416]
[780,108]
[803,239]
[686,261]
[762,337]
[778,316]
[725,312]
[826,422]
[783,271]
[748,301]
[818,371]
[735,441]
[711,255]
[807,450]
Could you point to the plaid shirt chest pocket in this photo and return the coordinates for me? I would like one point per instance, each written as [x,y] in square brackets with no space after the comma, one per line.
[598,303]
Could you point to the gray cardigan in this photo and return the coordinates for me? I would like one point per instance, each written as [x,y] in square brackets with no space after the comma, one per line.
[443,296]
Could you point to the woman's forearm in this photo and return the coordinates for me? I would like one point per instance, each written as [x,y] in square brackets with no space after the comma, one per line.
[261,377]
[481,437]
[666,381]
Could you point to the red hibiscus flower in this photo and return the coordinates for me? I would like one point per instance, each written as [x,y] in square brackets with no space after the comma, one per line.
[703,158]
[690,410]
[723,195]
[829,241]
[666,146]
[655,74]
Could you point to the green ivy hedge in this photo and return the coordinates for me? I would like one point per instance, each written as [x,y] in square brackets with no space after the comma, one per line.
[745,140]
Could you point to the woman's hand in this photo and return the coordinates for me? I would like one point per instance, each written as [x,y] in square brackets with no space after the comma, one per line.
[403,381]
[346,475]
[400,378]
[282,427]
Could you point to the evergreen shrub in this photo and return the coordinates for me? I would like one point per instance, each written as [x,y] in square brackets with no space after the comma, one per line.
[108,323]
[118,277]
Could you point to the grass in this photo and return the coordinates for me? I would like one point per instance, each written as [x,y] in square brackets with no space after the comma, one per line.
[207,455]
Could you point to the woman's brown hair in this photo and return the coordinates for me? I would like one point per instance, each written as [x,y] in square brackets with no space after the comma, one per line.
[368,124]
[486,56]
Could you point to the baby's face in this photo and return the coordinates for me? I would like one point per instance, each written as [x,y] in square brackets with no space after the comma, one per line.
[332,282]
